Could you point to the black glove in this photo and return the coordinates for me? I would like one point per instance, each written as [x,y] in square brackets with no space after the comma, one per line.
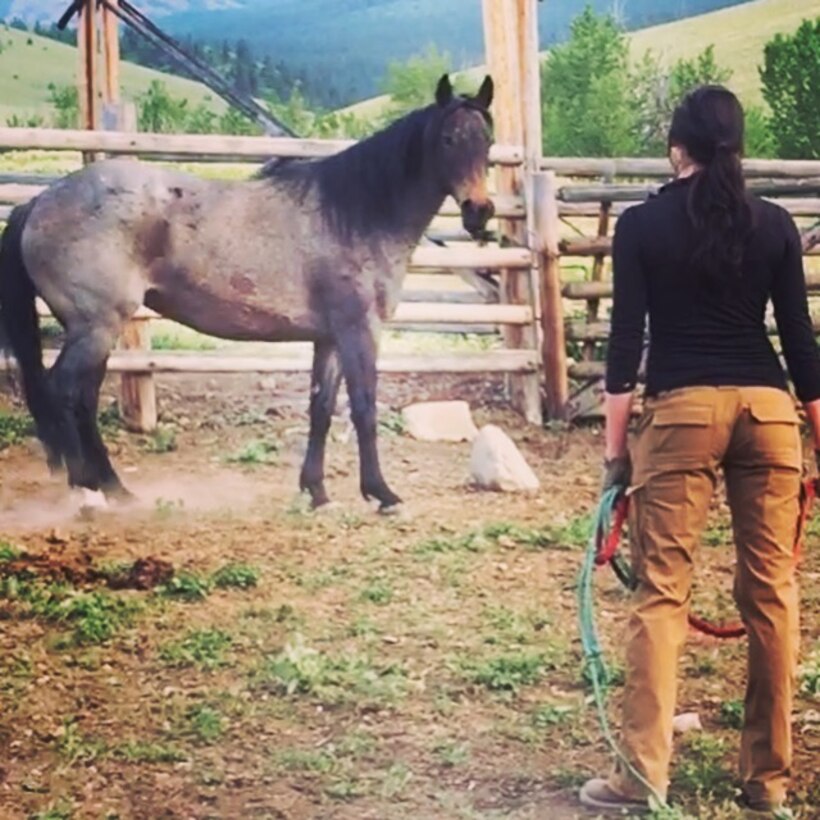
[617,473]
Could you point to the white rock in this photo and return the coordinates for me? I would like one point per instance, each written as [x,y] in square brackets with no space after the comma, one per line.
[440,421]
[686,722]
[497,464]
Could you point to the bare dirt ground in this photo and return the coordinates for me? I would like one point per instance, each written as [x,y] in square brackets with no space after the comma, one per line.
[344,664]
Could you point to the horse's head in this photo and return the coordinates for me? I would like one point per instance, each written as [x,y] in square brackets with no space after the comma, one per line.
[462,146]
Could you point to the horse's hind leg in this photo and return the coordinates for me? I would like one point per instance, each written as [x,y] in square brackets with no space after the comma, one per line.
[94,448]
[324,387]
[75,381]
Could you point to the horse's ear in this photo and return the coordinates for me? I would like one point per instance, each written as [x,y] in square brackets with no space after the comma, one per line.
[444,91]
[485,94]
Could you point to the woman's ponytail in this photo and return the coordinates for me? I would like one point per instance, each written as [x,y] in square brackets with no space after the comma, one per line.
[708,124]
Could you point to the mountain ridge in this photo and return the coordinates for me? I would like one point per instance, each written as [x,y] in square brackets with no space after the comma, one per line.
[346,45]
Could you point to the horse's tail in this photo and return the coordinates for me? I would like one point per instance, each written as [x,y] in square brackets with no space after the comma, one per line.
[20,329]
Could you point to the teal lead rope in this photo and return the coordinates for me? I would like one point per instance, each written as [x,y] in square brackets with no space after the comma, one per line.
[594,664]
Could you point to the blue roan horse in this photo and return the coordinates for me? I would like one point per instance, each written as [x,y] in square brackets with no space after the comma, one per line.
[309,250]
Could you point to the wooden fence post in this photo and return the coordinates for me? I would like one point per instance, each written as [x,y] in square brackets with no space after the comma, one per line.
[508,26]
[138,395]
[546,226]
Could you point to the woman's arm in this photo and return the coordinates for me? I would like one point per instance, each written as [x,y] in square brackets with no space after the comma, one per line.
[629,306]
[618,409]
[812,409]
[794,326]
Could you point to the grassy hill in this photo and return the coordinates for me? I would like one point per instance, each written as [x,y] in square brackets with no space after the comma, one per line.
[28,64]
[738,33]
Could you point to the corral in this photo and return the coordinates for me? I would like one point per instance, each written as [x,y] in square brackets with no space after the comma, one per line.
[341,664]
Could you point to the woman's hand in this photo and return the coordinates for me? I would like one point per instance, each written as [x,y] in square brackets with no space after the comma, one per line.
[617,473]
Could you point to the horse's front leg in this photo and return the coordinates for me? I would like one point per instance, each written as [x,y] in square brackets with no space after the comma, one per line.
[356,344]
[324,387]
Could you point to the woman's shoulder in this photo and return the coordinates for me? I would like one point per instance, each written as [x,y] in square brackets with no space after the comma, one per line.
[771,215]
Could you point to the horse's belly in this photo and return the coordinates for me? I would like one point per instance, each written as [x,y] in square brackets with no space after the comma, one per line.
[236,309]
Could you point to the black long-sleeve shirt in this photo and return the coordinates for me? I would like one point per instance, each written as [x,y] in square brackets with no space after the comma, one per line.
[700,339]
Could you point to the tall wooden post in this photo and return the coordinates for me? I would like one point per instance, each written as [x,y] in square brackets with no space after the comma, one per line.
[138,396]
[87,75]
[111,54]
[508,33]
[553,350]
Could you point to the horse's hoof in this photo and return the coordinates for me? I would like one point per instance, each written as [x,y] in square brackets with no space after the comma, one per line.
[393,509]
[121,497]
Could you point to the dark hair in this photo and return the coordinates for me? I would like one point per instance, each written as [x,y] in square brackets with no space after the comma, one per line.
[709,125]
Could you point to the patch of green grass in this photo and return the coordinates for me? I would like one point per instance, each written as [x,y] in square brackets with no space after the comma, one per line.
[75,747]
[59,810]
[512,626]
[717,535]
[319,761]
[345,788]
[181,341]
[94,617]
[203,648]
[238,576]
[256,452]
[14,428]
[508,534]
[301,670]
[378,591]
[548,715]
[731,714]
[110,419]
[313,581]
[141,751]
[810,674]
[363,627]
[162,440]
[508,672]
[700,769]
[186,586]
[9,552]
[451,754]
[392,423]
[574,534]
[395,780]
[471,542]
[205,723]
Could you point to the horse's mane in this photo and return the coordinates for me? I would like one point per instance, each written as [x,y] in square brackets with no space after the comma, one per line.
[361,189]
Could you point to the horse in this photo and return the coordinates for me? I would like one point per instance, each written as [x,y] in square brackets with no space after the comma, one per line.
[306,250]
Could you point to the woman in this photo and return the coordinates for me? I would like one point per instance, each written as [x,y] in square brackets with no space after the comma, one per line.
[702,259]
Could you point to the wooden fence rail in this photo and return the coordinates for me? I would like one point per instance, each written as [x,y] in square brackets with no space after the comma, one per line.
[258,149]
[640,167]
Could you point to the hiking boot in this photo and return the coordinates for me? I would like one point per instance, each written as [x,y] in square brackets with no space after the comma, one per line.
[598,794]
[763,810]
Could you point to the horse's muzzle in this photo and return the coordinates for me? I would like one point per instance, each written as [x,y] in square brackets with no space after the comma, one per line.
[475,216]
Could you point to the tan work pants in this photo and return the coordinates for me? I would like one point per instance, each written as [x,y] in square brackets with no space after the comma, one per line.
[684,437]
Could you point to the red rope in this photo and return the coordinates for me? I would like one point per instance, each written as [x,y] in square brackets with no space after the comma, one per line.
[609,542]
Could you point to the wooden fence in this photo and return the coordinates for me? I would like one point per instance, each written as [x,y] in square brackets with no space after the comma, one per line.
[461,254]
[549,308]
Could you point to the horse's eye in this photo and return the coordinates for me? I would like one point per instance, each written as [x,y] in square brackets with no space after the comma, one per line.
[448,139]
